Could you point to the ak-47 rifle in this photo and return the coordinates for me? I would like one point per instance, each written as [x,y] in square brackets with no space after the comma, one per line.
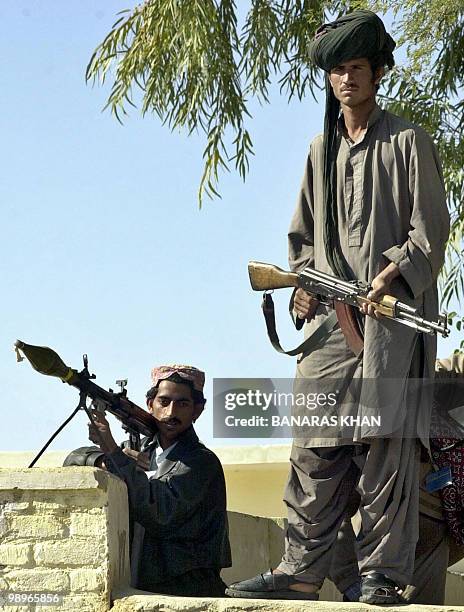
[134,419]
[331,291]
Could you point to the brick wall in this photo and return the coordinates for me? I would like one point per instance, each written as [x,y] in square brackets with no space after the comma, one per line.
[63,531]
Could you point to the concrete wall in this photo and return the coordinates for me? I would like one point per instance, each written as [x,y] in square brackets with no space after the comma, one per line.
[257,544]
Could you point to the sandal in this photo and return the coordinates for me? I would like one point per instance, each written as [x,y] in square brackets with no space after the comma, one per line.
[268,586]
[376,588]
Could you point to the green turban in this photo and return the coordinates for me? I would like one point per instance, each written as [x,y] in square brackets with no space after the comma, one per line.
[358,34]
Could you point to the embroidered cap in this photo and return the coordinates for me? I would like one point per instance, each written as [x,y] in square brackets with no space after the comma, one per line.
[189,373]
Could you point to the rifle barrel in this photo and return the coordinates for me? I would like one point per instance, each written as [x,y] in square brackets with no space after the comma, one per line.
[267,276]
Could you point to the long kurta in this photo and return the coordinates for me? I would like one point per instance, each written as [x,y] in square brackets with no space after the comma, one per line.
[391,208]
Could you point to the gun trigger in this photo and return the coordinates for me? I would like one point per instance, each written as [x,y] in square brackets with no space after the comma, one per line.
[99,406]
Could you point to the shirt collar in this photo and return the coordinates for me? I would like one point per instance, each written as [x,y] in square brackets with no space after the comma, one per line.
[162,454]
[187,438]
[374,117]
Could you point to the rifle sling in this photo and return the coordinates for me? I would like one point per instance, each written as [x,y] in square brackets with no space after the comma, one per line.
[343,314]
[322,332]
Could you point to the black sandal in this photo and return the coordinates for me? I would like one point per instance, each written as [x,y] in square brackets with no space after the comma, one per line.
[376,588]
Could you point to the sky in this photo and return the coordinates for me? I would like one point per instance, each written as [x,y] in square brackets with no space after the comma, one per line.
[103,247]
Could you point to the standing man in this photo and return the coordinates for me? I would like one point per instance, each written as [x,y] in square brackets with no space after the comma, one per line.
[372,207]
[437,547]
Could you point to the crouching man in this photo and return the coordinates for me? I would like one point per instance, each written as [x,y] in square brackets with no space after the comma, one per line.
[176,490]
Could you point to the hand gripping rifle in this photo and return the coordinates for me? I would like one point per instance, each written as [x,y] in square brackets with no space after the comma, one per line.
[134,419]
[333,292]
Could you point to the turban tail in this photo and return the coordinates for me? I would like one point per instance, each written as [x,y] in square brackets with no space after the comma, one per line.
[358,34]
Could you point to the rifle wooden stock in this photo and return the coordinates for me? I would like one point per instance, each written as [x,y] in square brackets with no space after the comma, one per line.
[264,276]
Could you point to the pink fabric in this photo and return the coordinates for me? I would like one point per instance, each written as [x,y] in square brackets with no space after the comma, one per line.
[195,376]
[452,496]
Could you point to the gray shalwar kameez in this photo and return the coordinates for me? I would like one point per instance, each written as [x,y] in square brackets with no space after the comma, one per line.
[391,208]
[435,549]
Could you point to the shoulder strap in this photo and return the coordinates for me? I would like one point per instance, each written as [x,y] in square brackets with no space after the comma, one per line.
[322,332]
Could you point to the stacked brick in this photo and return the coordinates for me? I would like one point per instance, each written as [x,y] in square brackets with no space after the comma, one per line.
[56,539]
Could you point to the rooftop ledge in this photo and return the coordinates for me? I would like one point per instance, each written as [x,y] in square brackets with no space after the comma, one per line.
[54,478]
[131,601]
[262,456]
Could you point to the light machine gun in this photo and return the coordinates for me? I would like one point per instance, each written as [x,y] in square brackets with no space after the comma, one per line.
[331,290]
[135,420]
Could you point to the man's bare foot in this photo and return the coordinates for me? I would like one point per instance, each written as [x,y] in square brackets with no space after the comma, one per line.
[302,587]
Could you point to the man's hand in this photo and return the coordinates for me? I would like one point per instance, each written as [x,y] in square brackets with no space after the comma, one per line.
[100,463]
[142,459]
[304,305]
[380,287]
[100,433]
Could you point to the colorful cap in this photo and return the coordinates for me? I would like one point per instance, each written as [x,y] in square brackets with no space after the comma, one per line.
[193,375]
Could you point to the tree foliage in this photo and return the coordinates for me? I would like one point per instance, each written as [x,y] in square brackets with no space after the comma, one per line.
[428,90]
[192,63]
[196,68]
